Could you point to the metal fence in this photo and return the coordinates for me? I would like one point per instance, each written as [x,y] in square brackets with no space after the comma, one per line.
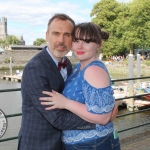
[122,115]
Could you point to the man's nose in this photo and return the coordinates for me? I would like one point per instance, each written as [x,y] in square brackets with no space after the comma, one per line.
[61,39]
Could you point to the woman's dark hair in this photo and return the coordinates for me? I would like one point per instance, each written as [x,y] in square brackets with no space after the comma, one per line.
[89,32]
[60,17]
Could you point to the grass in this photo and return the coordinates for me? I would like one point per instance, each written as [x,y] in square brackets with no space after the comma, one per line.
[14,68]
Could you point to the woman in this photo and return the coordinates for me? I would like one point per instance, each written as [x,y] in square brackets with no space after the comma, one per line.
[87,93]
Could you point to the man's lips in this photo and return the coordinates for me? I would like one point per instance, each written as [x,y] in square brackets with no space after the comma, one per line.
[80,53]
[61,47]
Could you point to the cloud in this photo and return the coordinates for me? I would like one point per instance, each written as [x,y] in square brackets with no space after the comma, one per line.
[30,18]
[93,1]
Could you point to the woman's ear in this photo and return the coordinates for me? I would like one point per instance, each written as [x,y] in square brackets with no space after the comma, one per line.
[99,47]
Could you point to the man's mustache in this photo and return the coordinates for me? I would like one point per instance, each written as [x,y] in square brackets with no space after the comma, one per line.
[61,44]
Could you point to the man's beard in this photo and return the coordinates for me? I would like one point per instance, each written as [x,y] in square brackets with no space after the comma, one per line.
[60,54]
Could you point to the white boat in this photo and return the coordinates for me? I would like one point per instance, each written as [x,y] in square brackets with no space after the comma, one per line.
[18,73]
[120,92]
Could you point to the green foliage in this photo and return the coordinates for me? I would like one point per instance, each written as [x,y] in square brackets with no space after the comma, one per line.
[39,41]
[7,60]
[10,40]
[14,67]
[1,43]
[147,62]
[127,23]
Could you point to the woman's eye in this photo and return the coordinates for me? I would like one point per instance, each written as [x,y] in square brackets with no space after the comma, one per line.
[86,42]
[76,41]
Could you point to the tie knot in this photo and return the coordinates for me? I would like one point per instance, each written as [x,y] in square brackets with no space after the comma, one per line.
[62,64]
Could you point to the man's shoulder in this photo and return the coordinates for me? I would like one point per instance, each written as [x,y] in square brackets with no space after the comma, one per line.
[35,60]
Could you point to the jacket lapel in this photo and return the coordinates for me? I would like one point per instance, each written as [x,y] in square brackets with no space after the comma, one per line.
[50,64]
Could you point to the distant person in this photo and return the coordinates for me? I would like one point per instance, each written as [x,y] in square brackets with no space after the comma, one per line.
[100,56]
[88,94]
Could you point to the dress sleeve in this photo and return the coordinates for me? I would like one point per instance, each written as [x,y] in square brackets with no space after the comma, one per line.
[98,100]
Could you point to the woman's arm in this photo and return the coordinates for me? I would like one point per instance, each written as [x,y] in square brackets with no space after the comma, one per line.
[97,77]
[77,108]
[81,110]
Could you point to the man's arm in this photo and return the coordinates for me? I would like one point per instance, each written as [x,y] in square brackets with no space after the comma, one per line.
[114,113]
[34,85]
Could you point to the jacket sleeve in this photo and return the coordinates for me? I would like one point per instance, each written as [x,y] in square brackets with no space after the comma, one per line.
[35,80]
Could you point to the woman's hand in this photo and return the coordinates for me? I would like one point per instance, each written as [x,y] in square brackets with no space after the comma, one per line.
[56,100]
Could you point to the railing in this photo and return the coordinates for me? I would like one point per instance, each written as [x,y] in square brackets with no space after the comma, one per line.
[118,116]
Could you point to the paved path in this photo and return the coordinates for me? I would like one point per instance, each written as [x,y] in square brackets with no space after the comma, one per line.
[142,145]
[140,142]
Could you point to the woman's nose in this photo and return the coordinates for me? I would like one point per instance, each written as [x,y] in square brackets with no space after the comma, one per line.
[80,44]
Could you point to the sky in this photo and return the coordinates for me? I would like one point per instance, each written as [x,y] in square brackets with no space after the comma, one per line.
[29,18]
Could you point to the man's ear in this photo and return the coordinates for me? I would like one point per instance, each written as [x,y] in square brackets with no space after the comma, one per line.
[46,36]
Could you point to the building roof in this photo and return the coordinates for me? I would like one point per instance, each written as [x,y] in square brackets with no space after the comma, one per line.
[26,47]
[23,46]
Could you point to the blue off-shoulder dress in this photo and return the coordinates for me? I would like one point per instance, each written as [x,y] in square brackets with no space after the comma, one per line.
[97,101]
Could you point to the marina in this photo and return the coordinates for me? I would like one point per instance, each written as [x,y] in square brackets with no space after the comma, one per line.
[121,94]
[12,78]
[13,99]
[120,91]
[16,77]
[11,104]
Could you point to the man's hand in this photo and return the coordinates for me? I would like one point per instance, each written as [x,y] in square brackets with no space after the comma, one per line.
[114,113]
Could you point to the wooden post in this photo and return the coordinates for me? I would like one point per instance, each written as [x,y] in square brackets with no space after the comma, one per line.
[138,65]
[11,66]
[130,85]
[138,69]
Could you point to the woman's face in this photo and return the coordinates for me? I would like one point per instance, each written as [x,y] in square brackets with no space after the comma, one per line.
[84,50]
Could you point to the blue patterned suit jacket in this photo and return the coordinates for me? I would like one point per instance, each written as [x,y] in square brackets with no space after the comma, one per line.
[41,129]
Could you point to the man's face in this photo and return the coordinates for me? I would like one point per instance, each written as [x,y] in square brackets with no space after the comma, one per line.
[59,38]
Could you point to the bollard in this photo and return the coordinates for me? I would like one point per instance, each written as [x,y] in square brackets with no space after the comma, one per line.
[138,70]
[130,85]
[138,65]
[11,66]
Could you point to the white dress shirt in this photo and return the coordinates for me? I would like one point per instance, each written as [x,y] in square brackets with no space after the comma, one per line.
[63,71]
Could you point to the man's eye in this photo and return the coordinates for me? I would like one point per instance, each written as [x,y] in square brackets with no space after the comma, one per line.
[55,33]
[68,34]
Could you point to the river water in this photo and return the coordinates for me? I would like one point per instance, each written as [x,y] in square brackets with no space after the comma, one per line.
[10,103]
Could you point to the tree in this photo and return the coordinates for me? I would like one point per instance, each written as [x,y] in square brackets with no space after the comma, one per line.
[105,14]
[11,40]
[127,23]
[39,41]
[138,29]
[1,43]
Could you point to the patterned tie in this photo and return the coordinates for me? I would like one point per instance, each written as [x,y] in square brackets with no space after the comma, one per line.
[62,64]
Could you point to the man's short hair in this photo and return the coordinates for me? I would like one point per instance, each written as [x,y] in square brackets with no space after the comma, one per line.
[60,17]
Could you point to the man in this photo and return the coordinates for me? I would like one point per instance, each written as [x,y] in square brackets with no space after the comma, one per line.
[41,129]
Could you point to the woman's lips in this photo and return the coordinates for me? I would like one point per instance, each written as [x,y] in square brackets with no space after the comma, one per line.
[80,53]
